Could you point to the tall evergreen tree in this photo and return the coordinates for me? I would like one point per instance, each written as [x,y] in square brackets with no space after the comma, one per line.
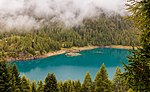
[25,85]
[40,87]
[65,87]
[130,90]
[50,83]
[5,78]
[70,86]
[60,86]
[33,87]
[119,83]
[137,72]
[16,80]
[101,82]
[77,86]
[87,83]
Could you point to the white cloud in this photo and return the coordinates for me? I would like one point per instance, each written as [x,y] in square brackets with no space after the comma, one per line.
[24,13]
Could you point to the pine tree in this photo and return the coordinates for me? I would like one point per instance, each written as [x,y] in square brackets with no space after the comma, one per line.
[137,72]
[25,85]
[16,80]
[65,87]
[77,86]
[119,84]
[87,83]
[60,86]
[5,78]
[40,87]
[70,86]
[101,82]
[130,90]
[33,86]
[50,83]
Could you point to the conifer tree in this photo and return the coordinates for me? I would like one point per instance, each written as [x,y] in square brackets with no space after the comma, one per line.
[33,86]
[101,82]
[65,87]
[50,83]
[119,84]
[60,86]
[25,85]
[16,80]
[40,87]
[77,86]
[5,78]
[70,86]
[130,90]
[16,74]
[137,72]
[87,83]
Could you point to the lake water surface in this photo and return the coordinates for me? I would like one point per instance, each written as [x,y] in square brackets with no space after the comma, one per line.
[74,68]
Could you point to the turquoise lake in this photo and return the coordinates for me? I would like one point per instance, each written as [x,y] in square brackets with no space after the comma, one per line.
[74,68]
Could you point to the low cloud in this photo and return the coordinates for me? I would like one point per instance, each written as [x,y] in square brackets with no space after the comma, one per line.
[29,14]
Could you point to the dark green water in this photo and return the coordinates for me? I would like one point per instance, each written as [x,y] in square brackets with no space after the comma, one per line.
[74,68]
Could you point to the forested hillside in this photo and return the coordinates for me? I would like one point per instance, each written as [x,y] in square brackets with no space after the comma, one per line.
[100,31]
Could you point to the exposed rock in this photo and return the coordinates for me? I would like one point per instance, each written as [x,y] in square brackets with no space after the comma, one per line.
[72,54]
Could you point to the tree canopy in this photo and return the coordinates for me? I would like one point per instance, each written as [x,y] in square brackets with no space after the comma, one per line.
[137,72]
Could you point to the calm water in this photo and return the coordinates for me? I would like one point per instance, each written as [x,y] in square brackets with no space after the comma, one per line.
[74,68]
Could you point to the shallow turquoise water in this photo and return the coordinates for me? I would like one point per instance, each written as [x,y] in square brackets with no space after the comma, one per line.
[74,68]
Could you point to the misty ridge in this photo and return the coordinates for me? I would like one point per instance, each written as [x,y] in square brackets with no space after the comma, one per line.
[32,14]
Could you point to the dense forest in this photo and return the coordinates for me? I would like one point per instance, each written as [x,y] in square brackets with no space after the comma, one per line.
[10,81]
[103,30]
[135,77]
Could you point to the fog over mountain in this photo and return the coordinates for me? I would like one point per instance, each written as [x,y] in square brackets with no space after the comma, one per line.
[28,14]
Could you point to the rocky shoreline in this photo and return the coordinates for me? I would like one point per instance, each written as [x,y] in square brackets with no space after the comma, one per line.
[71,54]
[71,51]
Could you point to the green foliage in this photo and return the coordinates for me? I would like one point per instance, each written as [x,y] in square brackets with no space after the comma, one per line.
[16,80]
[101,82]
[9,78]
[87,83]
[137,72]
[50,83]
[65,87]
[33,87]
[14,83]
[119,83]
[40,87]
[60,86]
[5,78]
[131,90]
[68,86]
[25,85]
[101,31]
[77,86]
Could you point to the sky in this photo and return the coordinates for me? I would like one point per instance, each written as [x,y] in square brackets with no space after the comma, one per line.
[29,14]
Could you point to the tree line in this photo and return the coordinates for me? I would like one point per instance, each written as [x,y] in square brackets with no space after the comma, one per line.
[10,81]
[100,31]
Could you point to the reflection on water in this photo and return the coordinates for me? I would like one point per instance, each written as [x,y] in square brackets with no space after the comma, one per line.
[74,68]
